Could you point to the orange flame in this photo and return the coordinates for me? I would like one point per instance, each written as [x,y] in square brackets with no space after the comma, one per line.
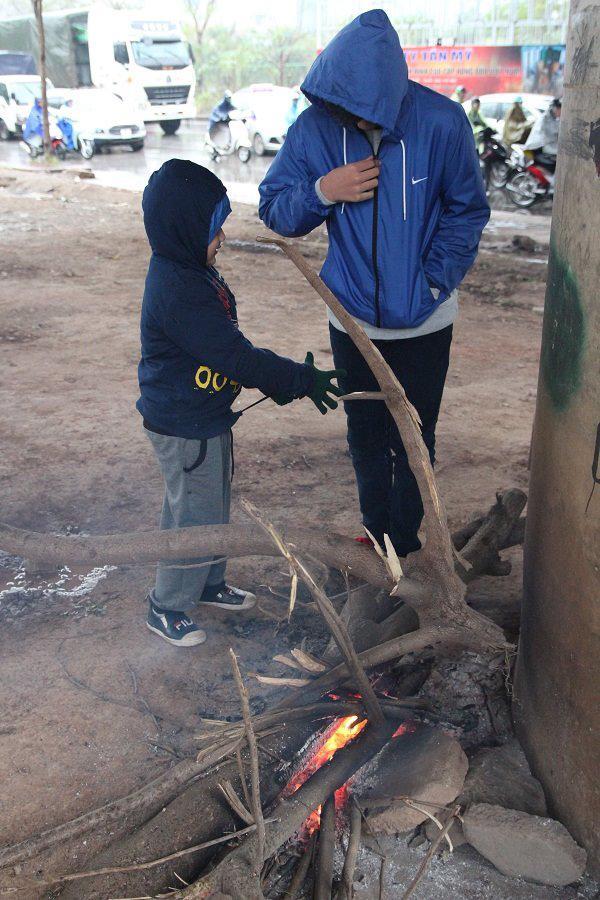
[339,734]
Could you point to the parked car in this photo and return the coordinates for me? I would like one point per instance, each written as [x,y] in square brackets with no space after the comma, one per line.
[17,95]
[269,107]
[101,117]
[494,107]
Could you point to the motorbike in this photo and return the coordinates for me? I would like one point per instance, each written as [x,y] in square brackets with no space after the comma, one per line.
[493,159]
[529,181]
[229,138]
[62,142]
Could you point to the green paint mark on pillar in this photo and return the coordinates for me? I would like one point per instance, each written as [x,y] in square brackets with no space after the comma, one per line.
[563,338]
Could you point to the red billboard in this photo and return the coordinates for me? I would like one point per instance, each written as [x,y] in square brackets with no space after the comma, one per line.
[481,70]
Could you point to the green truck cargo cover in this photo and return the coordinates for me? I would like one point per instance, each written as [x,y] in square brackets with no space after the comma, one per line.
[67,58]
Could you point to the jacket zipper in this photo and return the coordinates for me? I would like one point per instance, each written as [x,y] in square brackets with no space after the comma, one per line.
[374,239]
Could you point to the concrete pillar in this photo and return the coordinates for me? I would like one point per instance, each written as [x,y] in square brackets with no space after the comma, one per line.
[557,687]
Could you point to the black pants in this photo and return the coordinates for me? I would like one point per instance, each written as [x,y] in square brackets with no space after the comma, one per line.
[389,497]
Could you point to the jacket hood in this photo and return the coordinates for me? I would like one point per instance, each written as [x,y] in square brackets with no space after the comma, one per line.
[362,70]
[179,203]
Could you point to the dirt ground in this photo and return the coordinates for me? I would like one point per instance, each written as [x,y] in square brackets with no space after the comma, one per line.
[91,703]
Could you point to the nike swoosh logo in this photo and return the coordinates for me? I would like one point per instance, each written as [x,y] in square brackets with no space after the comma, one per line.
[417,180]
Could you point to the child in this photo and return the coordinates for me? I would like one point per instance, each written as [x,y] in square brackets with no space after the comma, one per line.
[195,361]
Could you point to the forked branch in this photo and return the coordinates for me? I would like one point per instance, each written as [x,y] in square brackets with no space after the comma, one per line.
[439,543]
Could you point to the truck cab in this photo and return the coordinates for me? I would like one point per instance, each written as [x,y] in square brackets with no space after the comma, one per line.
[146,61]
[17,94]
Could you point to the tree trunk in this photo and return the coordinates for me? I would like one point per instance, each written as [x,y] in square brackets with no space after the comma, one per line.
[556,684]
[39,18]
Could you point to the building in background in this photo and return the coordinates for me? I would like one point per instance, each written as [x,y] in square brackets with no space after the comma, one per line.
[485,22]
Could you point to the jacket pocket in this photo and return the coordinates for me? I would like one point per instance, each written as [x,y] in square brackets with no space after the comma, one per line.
[428,293]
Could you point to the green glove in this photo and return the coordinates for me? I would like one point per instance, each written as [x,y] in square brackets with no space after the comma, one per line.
[323,386]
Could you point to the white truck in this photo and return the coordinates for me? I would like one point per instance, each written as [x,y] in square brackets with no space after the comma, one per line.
[143,59]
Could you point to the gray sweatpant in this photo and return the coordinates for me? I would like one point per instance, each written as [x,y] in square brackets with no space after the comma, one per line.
[197,477]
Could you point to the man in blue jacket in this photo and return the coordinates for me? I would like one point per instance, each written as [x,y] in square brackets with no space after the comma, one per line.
[390,166]
[195,361]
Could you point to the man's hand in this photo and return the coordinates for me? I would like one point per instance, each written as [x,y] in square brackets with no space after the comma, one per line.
[323,386]
[352,183]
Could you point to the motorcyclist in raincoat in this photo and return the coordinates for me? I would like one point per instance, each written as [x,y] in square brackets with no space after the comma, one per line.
[478,123]
[516,124]
[220,114]
[33,130]
[543,140]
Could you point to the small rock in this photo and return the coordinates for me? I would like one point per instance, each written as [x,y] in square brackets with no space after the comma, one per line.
[524,242]
[426,765]
[498,776]
[501,776]
[524,846]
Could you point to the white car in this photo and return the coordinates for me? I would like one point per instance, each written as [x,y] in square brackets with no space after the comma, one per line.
[100,117]
[17,95]
[495,107]
[270,108]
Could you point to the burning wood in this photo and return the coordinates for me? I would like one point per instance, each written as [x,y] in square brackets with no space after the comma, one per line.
[335,737]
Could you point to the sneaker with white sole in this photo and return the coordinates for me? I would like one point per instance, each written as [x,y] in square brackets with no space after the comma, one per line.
[174,627]
[224,596]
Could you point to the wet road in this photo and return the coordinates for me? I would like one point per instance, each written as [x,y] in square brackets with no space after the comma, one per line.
[124,169]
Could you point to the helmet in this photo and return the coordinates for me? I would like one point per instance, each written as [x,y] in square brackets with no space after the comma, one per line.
[227,95]
[460,88]
[518,100]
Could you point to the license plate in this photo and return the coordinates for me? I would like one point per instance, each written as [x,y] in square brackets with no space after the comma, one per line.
[126,132]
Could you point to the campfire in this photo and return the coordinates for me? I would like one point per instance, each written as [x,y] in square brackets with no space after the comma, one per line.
[394,764]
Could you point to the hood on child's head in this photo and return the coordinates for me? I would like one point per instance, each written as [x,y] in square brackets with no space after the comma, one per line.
[184,207]
[363,70]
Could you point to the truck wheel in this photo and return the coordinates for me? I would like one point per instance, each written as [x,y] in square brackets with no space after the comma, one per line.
[170,126]
[137,145]
[4,132]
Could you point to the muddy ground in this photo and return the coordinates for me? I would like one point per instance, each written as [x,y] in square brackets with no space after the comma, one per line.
[80,671]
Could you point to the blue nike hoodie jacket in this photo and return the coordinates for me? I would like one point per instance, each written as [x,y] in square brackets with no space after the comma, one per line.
[195,360]
[422,228]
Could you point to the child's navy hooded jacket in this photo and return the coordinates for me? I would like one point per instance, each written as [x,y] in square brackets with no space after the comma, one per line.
[195,360]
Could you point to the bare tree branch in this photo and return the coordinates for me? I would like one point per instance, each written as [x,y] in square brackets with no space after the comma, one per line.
[254,768]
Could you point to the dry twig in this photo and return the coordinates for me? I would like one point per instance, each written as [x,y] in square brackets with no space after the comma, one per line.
[76,876]
[429,856]
[346,888]
[235,803]
[335,624]
[242,773]
[301,870]
[414,805]
[324,873]
[254,768]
